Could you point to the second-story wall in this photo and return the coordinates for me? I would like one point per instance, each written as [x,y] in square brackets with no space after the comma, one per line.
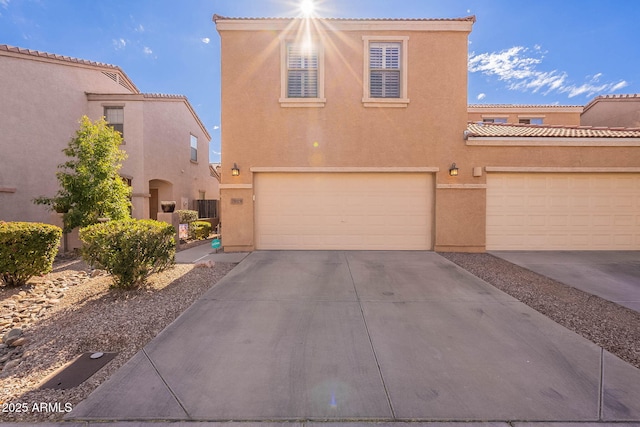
[563,115]
[258,129]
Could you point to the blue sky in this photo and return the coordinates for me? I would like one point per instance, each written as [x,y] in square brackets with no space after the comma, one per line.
[537,52]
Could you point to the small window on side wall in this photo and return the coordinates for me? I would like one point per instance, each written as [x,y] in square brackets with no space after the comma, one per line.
[115,117]
[194,148]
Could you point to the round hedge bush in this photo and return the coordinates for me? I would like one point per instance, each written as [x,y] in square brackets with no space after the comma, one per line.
[27,249]
[130,249]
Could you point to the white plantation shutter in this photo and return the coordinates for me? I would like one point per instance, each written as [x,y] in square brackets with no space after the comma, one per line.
[302,71]
[384,68]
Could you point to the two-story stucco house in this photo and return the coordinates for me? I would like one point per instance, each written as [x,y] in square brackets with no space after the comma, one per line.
[43,97]
[353,134]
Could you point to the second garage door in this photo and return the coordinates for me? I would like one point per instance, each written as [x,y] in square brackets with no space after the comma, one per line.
[563,211]
[353,211]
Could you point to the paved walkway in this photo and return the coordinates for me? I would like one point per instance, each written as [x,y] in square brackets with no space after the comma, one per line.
[612,275]
[355,337]
[205,252]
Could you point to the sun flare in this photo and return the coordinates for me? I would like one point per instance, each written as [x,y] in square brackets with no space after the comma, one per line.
[307,7]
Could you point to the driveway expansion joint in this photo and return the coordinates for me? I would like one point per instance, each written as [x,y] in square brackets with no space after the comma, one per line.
[373,350]
[155,368]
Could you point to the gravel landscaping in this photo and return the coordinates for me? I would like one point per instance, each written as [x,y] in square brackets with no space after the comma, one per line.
[72,310]
[609,325]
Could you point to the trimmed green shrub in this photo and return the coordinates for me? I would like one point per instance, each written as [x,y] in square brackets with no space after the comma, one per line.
[26,249]
[199,230]
[130,249]
[187,216]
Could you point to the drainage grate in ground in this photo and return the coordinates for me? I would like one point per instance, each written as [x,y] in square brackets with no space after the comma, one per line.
[78,371]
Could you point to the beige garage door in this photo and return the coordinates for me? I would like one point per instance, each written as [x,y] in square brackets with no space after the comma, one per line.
[378,211]
[547,211]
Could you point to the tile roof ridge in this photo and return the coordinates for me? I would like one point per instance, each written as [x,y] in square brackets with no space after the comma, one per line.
[40,54]
[522,105]
[164,95]
[216,17]
[550,126]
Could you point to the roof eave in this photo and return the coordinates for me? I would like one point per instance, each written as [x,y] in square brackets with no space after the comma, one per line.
[281,24]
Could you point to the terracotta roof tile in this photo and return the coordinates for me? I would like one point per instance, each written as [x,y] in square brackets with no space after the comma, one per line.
[500,130]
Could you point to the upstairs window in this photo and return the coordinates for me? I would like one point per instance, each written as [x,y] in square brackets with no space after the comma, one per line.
[194,148]
[385,71]
[531,121]
[302,76]
[115,117]
[494,120]
[302,70]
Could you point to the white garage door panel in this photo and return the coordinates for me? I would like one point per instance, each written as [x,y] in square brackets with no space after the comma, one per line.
[544,211]
[344,211]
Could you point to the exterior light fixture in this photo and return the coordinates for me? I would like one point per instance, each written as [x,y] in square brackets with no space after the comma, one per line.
[453,170]
[234,170]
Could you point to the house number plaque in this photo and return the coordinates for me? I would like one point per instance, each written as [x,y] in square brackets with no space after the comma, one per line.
[236,201]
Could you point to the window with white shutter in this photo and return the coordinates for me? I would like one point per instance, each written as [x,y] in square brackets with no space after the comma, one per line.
[302,71]
[302,76]
[385,71]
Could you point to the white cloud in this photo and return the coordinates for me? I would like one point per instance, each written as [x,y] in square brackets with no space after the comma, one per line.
[4,3]
[589,89]
[147,50]
[205,40]
[518,67]
[216,127]
[119,43]
[139,29]
[481,96]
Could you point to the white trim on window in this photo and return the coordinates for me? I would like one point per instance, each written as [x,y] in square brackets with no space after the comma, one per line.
[367,99]
[286,44]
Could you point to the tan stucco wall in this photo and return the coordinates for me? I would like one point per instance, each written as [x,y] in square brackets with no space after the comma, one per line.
[616,112]
[561,115]
[168,125]
[258,132]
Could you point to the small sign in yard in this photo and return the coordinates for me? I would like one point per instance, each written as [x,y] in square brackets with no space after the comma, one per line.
[183,231]
[215,243]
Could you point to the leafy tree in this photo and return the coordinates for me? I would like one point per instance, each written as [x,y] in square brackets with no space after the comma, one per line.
[90,187]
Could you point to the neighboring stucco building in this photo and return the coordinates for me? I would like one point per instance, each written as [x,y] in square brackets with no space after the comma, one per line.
[343,134]
[43,97]
[568,115]
[612,111]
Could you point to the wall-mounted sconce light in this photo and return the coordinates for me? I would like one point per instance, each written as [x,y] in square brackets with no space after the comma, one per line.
[234,170]
[453,170]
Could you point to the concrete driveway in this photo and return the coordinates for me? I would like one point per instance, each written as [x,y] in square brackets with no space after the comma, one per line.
[364,336]
[612,275]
